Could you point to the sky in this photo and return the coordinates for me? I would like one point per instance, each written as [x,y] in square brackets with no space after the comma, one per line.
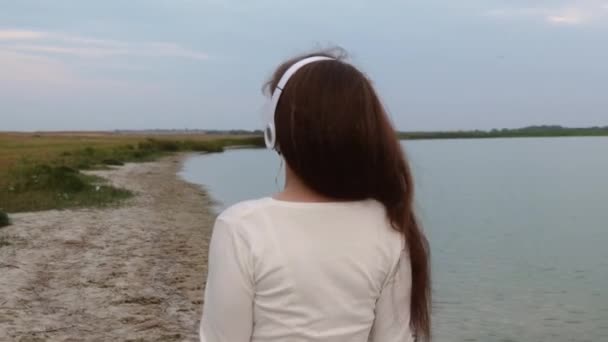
[437,64]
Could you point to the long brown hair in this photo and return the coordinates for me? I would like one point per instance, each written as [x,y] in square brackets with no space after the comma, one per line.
[335,134]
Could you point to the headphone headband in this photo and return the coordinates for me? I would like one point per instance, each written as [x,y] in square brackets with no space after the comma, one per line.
[270,131]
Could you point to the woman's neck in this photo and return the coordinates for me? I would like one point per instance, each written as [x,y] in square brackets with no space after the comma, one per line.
[296,191]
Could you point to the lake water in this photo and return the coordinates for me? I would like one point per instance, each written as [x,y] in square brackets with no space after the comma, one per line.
[518,231]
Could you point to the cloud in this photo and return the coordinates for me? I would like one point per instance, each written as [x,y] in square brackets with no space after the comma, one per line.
[42,42]
[568,17]
[44,62]
[144,50]
[18,67]
[566,13]
[20,35]
[40,63]
[76,51]
[32,78]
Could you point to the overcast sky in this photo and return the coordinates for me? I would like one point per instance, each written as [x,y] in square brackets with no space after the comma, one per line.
[438,64]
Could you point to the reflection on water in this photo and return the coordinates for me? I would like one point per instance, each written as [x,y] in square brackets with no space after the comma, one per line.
[518,228]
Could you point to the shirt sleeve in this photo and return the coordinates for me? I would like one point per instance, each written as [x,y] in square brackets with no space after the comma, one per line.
[228,305]
[392,321]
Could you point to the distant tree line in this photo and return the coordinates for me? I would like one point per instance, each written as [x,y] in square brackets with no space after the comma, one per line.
[530,131]
[191,131]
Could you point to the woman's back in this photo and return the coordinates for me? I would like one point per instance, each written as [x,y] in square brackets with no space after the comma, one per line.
[320,271]
[338,254]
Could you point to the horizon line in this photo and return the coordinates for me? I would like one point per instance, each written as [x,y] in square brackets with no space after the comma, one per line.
[213,130]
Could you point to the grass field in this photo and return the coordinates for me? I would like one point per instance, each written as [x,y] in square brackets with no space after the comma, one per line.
[42,171]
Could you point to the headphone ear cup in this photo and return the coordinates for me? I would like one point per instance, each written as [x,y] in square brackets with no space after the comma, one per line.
[270,136]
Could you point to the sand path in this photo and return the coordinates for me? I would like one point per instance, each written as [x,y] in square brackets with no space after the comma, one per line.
[129,273]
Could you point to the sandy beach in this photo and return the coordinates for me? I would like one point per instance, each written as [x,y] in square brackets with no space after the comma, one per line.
[134,272]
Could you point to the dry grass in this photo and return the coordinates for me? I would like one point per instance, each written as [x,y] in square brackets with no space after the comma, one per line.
[45,147]
[15,147]
[28,158]
[20,152]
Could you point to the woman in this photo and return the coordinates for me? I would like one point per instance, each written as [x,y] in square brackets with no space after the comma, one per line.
[338,255]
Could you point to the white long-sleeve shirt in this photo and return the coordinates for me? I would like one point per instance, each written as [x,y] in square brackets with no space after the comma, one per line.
[303,272]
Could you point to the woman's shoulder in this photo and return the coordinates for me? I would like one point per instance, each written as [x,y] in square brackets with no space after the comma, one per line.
[243,210]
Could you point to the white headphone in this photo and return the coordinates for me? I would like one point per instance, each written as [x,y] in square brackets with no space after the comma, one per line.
[270,137]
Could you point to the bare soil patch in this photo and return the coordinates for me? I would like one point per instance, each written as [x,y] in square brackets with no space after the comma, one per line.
[129,273]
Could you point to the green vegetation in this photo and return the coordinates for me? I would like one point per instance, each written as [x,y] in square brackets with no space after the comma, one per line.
[43,171]
[37,176]
[4,220]
[42,186]
[526,132]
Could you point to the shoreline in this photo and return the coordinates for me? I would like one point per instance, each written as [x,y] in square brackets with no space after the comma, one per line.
[129,272]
